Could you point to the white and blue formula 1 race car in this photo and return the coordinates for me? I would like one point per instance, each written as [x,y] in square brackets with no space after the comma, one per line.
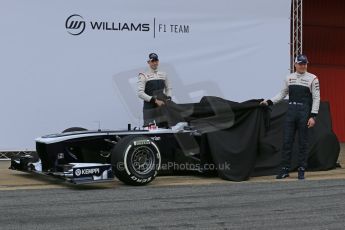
[134,156]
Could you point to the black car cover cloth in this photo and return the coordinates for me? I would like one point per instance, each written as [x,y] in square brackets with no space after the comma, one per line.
[323,146]
[245,139]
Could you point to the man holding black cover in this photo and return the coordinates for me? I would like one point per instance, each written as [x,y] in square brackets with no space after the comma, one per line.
[304,101]
[154,89]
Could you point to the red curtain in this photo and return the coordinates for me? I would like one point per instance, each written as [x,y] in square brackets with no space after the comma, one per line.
[324,44]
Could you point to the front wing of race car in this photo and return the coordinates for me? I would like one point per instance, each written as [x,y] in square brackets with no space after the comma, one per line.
[76,173]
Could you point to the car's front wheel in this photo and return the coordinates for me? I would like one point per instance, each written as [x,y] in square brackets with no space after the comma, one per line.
[136,160]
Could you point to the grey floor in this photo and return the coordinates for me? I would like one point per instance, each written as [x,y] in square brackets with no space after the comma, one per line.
[267,205]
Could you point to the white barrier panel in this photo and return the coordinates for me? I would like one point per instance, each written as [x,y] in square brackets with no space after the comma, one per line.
[75,63]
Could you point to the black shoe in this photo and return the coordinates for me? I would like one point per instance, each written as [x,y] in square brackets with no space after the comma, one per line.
[301,173]
[284,173]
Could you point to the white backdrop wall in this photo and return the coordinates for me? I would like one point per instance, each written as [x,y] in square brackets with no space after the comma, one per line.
[52,79]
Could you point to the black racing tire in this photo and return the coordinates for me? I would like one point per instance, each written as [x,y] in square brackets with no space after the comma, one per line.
[136,160]
[74,129]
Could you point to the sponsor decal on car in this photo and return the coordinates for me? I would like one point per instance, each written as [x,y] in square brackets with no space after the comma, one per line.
[155,138]
[86,171]
[77,172]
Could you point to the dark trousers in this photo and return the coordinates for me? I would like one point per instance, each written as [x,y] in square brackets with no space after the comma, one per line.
[296,120]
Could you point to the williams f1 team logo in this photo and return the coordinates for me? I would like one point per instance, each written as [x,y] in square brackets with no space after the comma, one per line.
[75,24]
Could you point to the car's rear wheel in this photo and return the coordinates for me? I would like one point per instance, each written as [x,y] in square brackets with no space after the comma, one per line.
[136,160]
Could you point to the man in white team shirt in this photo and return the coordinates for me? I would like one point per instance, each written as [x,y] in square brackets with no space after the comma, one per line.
[154,89]
[304,101]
